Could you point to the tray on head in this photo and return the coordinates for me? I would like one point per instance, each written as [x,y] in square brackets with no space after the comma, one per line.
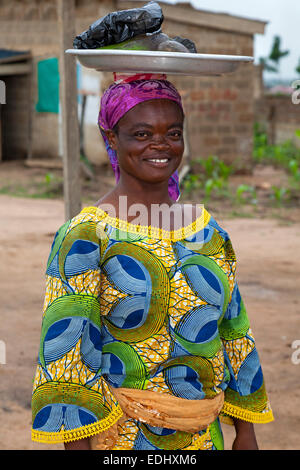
[174,63]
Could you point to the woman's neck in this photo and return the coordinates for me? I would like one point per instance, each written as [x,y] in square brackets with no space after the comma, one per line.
[150,205]
[143,193]
[140,203]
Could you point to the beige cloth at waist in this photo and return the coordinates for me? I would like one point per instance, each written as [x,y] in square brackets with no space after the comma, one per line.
[161,410]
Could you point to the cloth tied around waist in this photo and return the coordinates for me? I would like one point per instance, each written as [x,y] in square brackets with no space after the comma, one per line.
[160,410]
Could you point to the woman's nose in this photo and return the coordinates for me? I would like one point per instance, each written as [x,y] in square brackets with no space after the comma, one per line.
[159,142]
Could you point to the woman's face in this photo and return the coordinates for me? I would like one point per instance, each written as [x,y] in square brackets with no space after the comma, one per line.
[149,140]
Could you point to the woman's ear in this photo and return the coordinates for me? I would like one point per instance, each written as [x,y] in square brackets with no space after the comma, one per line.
[111,137]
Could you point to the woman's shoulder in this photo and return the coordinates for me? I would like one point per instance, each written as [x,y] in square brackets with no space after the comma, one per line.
[214,227]
[207,226]
[82,226]
[73,240]
[219,228]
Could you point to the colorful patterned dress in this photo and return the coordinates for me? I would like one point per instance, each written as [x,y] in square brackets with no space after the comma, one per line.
[137,307]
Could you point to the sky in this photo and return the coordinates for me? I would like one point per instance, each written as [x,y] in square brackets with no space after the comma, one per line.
[283,17]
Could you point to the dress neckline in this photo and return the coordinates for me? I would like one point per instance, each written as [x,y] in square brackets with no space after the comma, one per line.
[151,231]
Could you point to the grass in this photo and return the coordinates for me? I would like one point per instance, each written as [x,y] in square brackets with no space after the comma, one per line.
[210,177]
[240,214]
[50,187]
[285,156]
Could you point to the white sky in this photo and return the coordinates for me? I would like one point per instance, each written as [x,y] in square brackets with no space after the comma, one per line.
[283,17]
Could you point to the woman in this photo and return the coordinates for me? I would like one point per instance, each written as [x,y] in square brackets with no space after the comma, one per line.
[145,340]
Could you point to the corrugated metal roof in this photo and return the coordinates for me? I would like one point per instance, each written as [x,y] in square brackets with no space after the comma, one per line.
[10,56]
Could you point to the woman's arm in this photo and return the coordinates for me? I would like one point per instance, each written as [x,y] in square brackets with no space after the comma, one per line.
[245,436]
[81,444]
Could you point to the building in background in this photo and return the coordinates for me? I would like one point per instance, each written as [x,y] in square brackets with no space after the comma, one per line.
[277,113]
[220,110]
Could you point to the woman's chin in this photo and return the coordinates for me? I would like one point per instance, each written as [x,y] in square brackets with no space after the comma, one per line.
[157,174]
[156,179]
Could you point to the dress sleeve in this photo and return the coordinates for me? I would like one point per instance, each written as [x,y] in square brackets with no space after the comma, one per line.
[245,396]
[70,398]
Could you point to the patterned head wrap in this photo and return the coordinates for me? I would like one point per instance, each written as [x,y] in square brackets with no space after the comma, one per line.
[125,93]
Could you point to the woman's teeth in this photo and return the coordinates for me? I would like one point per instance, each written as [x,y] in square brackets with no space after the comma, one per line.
[162,160]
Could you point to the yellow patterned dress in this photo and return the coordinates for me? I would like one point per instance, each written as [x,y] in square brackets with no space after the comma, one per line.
[137,307]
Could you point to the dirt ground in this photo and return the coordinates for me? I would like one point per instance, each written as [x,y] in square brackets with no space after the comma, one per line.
[268,250]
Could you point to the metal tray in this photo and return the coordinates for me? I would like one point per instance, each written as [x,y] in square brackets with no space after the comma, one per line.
[174,63]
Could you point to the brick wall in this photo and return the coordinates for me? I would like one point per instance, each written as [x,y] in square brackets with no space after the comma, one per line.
[279,117]
[220,110]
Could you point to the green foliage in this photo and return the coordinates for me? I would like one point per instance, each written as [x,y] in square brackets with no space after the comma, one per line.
[293,167]
[285,155]
[214,167]
[266,66]
[275,56]
[211,176]
[49,177]
[50,186]
[246,193]
[280,195]
[276,53]
[297,69]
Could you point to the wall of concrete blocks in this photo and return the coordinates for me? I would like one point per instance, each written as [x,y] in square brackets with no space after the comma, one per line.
[279,117]
[220,110]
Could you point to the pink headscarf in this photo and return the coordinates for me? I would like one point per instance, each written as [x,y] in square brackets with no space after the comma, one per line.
[123,95]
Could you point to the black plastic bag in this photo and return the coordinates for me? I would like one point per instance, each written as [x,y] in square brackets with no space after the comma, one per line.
[120,26]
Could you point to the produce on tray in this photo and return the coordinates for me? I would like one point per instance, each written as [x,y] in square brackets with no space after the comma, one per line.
[135,29]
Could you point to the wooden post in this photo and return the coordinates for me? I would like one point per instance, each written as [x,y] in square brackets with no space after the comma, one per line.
[68,93]
[30,107]
[0,132]
[2,101]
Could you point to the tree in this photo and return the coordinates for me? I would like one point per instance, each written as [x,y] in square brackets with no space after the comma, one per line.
[271,63]
[266,66]
[298,67]
[276,53]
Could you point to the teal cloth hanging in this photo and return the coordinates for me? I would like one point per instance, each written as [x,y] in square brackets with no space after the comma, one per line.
[48,86]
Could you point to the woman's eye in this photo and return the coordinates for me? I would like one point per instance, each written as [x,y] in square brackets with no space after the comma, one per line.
[176,134]
[142,134]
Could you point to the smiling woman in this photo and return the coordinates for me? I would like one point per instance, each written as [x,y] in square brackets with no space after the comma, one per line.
[146,343]
[149,142]
[134,95]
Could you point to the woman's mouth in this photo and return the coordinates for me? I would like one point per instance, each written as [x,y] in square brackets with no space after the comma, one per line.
[158,162]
